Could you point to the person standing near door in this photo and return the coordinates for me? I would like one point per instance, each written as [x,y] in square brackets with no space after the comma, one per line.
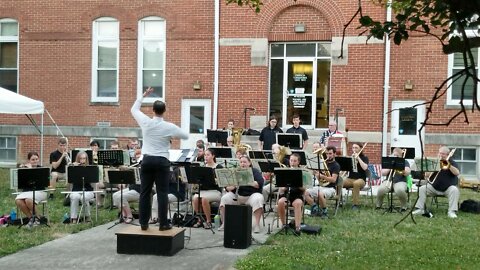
[157,134]
[268,136]
[297,129]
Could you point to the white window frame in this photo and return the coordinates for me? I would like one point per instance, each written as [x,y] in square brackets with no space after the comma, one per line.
[12,39]
[95,40]
[461,161]
[13,161]
[141,39]
[450,99]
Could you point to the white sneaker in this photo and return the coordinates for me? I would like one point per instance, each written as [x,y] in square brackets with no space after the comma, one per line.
[256,229]
[418,211]
[451,214]
[221,228]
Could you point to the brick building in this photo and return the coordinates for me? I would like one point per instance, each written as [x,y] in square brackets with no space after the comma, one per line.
[89,60]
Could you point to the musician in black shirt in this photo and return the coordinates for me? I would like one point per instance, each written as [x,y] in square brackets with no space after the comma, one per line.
[268,135]
[445,183]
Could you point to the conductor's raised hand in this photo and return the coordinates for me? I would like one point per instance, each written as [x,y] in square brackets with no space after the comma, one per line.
[148,91]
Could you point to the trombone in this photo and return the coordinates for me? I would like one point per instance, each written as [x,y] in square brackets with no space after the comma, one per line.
[354,158]
[443,164]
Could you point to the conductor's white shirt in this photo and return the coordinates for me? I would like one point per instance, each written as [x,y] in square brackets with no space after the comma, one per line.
[156,132]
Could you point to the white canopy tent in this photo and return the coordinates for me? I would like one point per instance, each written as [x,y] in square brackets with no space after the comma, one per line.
[13,103]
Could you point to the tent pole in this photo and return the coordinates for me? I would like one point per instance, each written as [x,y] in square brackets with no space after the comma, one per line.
[41,142]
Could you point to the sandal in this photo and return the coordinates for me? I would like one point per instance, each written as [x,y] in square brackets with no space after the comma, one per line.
[207,225]
[129,220]
[198,224]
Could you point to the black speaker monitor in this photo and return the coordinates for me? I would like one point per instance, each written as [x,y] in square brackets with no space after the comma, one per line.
[238,226]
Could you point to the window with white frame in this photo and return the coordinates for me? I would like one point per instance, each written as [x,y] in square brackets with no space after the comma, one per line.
[9,54]
[105,59]
[151,57]
[8,149]
[466,159]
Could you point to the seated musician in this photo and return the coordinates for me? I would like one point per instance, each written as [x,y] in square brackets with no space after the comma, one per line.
[177,191]
[332,130]
[24,200]
[324,192]
[77,197]
[250,195]
[127,195]
[444,182]
[230,141]
[358,175]
[200,152]
[209,193]
[295,198]
[399,181]
[279,155]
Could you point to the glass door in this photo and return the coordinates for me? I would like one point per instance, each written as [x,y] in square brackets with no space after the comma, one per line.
[195,120]
[298,94]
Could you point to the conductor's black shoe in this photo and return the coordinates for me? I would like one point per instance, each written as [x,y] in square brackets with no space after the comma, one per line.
[166,227]
[297,232]
[144,227]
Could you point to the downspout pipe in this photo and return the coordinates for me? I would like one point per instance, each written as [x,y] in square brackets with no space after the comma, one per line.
[386,86]
[216,63]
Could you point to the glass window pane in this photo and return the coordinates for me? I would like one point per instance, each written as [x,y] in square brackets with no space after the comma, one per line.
[8,55]
[153,54]
[277,50]
[3,143]
[153,29]
[11,142]
[323,93]
[276,88]
[9,29]
[300,49]
[108,29]
[323,50]
[468,168]
[457,87]
[469,154]
[8,79]
[197,119]
[3,155]
[153,78]
[407,121]
[107,54]
[458,58]
[107,83]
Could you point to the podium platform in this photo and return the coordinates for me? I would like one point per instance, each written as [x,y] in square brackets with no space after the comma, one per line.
[132,240]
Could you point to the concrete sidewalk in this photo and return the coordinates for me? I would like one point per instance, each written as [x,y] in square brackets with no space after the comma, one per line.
[96,249]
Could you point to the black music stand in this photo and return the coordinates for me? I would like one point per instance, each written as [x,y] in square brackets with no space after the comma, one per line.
[32,179]
[110,157]
[80,175]
[201,176]
[394,164]
[260,154]
[291,140]
[346,163]
[269,167]
[217,136]
[289,178]
[121,178]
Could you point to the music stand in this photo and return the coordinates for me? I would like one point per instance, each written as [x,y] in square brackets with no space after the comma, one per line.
[290,140]
[121,178]
[33,179]
[201,176]
[110,157]
[289,178]
[346,163]
[81,175]
[269,167]
[260,154]
[217,136]
[394,164]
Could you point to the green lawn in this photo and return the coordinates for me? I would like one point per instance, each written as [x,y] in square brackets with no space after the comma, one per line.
[14,239]
[368,240]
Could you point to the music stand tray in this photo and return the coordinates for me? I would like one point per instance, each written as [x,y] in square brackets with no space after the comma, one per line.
[121,177]
[268,167]
[291,140]
[345,163]
[395,163]
[222,152]
[33,179]
[217,136]
[82,174]
[289,178]
[260,154]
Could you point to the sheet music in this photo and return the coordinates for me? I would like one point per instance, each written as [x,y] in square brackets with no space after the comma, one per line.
[174,154]
[234,177]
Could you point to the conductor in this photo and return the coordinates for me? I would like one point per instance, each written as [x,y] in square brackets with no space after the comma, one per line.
[156,134]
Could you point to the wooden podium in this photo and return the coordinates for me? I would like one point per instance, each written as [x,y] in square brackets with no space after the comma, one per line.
[132,240]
